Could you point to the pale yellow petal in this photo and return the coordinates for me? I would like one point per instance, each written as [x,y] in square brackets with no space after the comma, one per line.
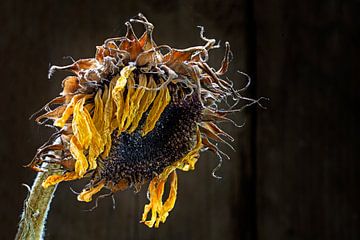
[86,194]
[146,100]
[57,178]
[68,111]
[126,108]
[159,105]
[81,164]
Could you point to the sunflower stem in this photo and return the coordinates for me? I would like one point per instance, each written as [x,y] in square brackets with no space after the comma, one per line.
[36,208]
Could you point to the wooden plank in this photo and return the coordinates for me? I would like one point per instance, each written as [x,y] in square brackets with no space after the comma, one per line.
[307,147]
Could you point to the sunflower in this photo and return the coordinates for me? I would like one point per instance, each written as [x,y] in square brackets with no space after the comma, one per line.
[136,113]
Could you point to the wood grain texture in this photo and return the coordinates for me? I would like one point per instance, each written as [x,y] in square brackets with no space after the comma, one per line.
[307,146]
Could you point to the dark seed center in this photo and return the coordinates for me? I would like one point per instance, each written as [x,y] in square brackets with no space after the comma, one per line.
[136,159]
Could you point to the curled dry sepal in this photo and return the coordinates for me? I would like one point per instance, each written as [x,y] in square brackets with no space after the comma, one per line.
[135,113]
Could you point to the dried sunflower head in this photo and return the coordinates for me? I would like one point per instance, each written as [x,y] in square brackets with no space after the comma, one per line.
[135,113]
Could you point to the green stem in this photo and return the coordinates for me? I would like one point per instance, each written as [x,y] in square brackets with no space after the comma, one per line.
[36,207]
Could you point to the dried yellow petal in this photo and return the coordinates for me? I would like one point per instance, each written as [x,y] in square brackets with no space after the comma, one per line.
[159,104]
[118,92]
[126,110]
[159,211]
[107,118]
[170,202]
[81,164]
[80,125]
[135,101]
[146,100]
[86,194]
[68,111]
[96,145]
[56,178]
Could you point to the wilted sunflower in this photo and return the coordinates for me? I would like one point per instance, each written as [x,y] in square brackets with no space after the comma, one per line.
[135,113]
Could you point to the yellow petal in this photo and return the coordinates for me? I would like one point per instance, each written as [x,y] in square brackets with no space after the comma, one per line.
[135,100]
[68,111]
[98,111]
[80,125]
[81,164]
[118,93]
[126,109]
[124,75]
[159,104]
[96,144]
[107,119]
[86,195]
[170,202]
[146,100]
[159,211]
[56,178]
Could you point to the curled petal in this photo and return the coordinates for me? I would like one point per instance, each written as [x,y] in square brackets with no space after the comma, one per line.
[56,178]
[160,211]
[159,104]
[146,100]
[81,164]
[70,85]
[86,194]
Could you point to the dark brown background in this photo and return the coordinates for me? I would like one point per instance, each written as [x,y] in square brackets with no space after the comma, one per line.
[295,174]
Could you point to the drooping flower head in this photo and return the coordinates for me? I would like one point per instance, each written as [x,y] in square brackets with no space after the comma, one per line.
[136,113]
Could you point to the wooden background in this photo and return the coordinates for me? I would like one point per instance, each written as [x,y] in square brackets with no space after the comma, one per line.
[295,172]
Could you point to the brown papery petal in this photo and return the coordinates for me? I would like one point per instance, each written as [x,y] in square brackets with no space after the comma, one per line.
[70,85]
